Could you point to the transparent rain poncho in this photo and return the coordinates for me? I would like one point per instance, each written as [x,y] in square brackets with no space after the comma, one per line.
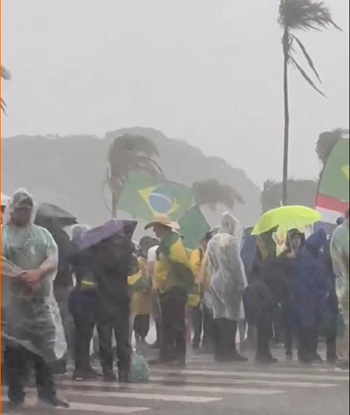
[226,266]
[29,320]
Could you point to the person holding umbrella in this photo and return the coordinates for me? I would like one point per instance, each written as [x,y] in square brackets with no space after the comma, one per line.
[112,251]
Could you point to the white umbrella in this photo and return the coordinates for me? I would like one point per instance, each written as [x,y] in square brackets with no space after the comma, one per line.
[4,199]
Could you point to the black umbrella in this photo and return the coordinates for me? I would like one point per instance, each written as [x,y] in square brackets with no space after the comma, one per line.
[49,213]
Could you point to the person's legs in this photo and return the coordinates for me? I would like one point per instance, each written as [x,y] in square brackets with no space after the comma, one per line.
[208,328]
[124,350]
[265,334]
[44,379]
[242,329]
[167,351]
[197,323]
[304,346]
[220,339]
[180,301]
[105,332]
[231,341]
[142,326]
[331,341]
[16,361]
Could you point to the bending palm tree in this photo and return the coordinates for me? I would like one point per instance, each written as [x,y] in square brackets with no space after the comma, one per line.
[6,76]
[126,154]
[211,193]
[299,15]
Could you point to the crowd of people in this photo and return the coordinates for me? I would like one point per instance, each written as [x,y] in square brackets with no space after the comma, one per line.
[61,290]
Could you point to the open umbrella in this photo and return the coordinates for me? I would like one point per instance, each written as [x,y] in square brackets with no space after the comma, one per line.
[106,231]
[49,212]
[287,218]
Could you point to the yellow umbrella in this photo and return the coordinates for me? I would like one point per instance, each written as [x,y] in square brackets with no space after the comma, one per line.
[287,218]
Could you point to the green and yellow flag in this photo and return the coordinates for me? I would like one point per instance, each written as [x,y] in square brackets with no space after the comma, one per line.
[193,227]
[145,197]
[333,195]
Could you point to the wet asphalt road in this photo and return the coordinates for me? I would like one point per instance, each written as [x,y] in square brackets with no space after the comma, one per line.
[208,388]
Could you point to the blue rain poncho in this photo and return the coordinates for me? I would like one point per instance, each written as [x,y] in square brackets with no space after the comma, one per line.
[228,279]
[29,319]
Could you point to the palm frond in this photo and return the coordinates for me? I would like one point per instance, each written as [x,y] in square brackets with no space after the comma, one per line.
[306,77]
[305,15]
[212,192]
[3,106]
[5,73]
[308,58]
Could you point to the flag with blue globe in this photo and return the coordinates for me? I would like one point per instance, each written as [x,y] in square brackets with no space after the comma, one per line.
[145,197]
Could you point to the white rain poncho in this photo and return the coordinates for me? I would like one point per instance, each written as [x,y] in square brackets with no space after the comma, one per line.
[226,266]
[31,320]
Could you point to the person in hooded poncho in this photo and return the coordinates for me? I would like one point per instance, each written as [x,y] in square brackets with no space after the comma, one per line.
[228,281]
[340,257]
[31,328]
[311,287]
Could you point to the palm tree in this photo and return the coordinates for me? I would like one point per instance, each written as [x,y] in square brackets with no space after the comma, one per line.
[297,15]
[301,192]
[6,76]
[212,193]
[327,141]
[126,154]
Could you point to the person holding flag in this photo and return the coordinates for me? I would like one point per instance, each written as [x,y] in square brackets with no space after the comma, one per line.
[175,281]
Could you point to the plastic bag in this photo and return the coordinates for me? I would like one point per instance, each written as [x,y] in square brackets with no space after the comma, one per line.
[139,369]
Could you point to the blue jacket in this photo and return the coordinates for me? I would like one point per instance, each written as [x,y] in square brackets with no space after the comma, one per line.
[311,285]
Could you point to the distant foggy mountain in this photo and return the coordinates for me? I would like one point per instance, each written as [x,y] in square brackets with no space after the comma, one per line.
[69,172]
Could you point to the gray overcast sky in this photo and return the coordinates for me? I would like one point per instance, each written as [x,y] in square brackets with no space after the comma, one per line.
[207,71]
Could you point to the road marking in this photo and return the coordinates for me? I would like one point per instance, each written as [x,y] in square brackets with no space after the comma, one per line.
[32,404]
[183,388]
[253,382]
[83,407]
[200,361]
[263,375]
[145,396]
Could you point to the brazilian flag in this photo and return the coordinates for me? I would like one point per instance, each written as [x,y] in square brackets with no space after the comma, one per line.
[193,227]
[145,197]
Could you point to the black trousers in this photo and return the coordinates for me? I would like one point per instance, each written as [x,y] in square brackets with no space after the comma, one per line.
[225,332]
[197,323]
[265,335]
[308,344]
[84,332]
[119,326]
[173,324]
[82,306]
[142,326]
[18,363]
